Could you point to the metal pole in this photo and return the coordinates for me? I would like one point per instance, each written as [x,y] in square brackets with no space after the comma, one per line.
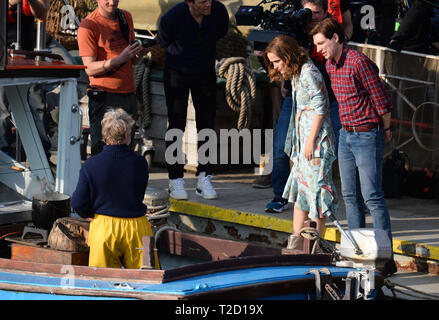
[41,37]
[19,9]
[347,236]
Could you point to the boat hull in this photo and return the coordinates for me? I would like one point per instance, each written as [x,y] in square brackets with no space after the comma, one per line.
[262,277]
[204,268]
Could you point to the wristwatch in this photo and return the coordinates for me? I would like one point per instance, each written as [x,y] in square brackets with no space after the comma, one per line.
[389,128]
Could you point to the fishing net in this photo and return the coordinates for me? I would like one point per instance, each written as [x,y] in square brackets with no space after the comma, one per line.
[63,20]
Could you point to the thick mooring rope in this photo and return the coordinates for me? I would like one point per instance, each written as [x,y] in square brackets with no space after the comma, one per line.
[240,89]
[142,72]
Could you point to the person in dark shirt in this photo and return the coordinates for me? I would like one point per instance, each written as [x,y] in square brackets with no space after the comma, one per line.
[339,9]
[111,188]
[418,31]
[189,32]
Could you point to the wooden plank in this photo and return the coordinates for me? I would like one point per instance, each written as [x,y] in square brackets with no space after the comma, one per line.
[17,63]
[148,260]
[209,248]
[86,292]
[144,276]
[224,255]
[46,255]
[12,228]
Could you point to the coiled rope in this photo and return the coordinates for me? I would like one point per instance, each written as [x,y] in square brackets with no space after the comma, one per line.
[158,212]
[240,89]
[142,72]
[319,243]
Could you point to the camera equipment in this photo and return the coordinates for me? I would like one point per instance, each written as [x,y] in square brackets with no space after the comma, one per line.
[145,42]
[284,17]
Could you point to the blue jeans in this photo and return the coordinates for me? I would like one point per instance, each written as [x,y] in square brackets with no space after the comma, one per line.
[281,161]
[363,151]
[335,121]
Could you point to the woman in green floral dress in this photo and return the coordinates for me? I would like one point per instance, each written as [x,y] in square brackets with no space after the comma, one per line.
[310,138]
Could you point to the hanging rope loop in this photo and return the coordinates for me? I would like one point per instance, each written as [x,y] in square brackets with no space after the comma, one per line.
[240,91]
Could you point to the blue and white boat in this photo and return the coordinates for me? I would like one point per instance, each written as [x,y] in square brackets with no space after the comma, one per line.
[210,268]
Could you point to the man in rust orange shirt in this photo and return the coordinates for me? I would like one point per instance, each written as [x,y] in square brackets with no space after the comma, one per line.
[104,38]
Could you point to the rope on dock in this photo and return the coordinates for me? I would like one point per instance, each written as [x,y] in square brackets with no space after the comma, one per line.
[158,212]
[391,286]
[240,88]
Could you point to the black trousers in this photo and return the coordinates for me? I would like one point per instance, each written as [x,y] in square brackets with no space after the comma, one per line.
[98,105]
[203,90]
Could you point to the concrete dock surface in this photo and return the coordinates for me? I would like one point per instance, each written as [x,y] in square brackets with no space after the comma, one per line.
[415,224]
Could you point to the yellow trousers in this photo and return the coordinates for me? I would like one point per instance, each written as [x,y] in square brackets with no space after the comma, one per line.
[116,242]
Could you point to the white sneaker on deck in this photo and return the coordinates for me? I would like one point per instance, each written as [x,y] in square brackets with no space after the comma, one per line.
[204,187]
[176,189]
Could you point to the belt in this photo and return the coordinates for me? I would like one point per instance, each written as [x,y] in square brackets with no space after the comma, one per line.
[363,128]
[98,92]
[121,93]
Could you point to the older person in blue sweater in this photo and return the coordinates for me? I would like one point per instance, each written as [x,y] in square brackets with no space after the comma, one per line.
[110,189]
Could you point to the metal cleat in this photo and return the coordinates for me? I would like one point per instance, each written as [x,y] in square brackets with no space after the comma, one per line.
[323,277]
[360,284]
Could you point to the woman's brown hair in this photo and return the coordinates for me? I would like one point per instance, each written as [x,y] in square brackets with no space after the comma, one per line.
[289,51]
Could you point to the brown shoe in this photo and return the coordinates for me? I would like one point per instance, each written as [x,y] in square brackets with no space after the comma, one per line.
[262,182]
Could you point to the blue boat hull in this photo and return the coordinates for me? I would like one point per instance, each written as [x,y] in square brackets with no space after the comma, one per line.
[272,282]
[207,268]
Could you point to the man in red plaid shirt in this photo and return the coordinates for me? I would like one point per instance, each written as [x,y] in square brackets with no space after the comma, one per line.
[365,110]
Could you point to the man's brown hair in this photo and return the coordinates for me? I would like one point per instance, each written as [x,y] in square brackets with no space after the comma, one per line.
[328,27]
[289,51]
